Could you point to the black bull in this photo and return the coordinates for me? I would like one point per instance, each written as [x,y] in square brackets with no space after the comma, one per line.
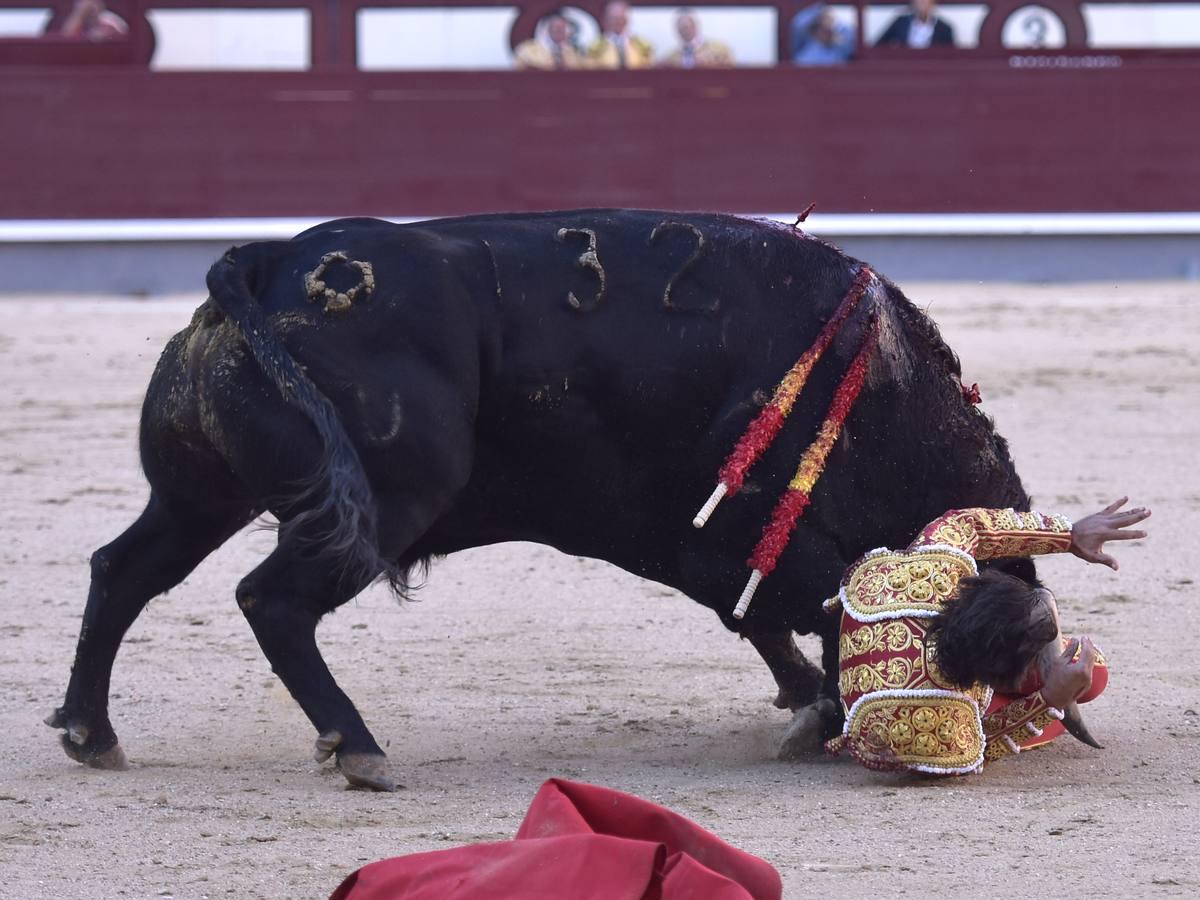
[570,378]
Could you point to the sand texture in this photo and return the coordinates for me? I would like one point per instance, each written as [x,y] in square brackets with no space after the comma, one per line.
[519,663]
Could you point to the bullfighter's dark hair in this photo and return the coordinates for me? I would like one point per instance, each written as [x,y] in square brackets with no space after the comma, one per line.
[992,631]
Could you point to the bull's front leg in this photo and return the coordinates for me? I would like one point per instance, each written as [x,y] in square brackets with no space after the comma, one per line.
[799,680]
[816,723]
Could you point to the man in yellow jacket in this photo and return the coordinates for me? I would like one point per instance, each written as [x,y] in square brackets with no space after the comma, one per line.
[552,49]
[694,52]
[617,48]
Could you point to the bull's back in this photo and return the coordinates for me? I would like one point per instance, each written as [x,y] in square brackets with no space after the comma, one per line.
[605,362]
[633,347]
[651,316]
[650,309]
[609,359]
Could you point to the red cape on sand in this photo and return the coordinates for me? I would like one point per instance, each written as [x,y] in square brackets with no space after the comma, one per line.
[578,842]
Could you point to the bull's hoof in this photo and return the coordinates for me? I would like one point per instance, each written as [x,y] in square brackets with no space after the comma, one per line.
[805,734]
[112,759]
[56,719]
[802,690]
[785,699]
[366,770]
[85,745]
[327,742]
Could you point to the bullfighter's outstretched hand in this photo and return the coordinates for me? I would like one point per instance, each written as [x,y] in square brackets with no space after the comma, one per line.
[1089,534]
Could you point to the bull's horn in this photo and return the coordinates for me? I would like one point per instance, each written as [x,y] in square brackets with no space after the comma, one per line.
[1073,722]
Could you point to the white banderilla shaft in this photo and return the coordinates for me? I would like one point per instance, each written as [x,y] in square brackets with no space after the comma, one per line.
[709,505]
[743,603]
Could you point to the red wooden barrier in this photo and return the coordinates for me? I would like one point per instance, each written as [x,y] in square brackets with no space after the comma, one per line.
[894,132]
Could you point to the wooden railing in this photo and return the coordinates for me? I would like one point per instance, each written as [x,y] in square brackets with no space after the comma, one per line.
[960,131]
[334,26]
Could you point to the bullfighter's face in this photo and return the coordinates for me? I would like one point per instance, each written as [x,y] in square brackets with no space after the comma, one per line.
[1043,611]
[1050,605]
[1045,608]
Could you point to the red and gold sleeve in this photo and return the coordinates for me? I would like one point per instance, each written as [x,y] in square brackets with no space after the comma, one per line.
[1017,721]
[992,533]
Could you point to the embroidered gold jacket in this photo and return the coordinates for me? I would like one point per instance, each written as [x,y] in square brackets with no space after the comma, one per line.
[534,54]
[603,54]
[709,55]
[900,711]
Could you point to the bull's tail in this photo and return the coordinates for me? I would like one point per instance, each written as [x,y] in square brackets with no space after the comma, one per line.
[338,494]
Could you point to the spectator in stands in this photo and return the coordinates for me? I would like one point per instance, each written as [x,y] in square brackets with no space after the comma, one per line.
[920,28]
[92,21]
[819,39]
[617,48]
[693,51]
[552,48]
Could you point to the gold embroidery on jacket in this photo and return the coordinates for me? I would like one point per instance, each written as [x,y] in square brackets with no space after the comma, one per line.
[895,582]
[938,732]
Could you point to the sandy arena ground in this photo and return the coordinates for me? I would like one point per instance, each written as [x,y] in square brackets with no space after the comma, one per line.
[520,663]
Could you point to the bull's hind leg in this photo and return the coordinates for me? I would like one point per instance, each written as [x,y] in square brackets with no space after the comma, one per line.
[152,556]
[285,597]
[283,600]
